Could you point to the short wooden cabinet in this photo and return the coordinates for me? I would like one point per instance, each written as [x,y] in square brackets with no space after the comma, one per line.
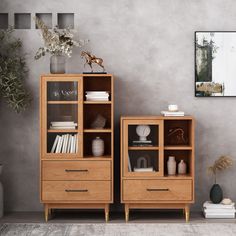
[70,176]
[146,145]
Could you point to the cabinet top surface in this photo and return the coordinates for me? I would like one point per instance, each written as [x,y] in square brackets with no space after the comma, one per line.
[160,117]
[76,75]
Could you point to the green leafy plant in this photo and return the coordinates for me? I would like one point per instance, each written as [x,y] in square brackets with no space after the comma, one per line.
[12,72]
[222,163]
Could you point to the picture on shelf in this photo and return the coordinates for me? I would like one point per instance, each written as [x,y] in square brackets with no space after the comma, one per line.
[215,59]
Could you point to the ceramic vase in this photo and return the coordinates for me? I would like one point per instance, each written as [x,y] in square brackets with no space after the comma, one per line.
[182,168]
[171,165]
[1,194]
[216,194]
[57,64]
[98,147]
[143,131]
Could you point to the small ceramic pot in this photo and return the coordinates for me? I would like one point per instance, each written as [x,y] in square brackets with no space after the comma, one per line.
[98,147]
[143,131]
[171,165]
[182,168]
[173,108]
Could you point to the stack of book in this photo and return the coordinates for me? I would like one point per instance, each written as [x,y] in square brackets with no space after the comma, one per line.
[66,143]
[97,96]
[63,125]
[172,113]
[141,143]
[214,211]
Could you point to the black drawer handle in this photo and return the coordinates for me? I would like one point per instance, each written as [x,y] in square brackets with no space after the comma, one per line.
[67,170]
[157,189]
[76,190]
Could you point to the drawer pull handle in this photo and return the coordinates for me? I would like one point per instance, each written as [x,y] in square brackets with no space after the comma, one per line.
[76,190]
[67,170]
[157,189]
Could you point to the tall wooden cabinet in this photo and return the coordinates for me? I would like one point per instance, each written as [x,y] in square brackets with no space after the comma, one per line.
[146,145]
[70,176]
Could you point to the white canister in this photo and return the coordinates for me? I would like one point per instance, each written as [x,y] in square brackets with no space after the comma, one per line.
[182,168]
[171,165]
[98,147]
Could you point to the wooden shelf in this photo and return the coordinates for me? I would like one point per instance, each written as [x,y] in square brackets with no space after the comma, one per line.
[97,130]
[178,176]
[97,102]
[62,102]
[63,130]
[148,148]
[97,158]
[178,148]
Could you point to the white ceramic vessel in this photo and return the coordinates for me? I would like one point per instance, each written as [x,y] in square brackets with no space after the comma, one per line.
[173,107]
[182,168]
[143,131]
[98,147]
[171,165]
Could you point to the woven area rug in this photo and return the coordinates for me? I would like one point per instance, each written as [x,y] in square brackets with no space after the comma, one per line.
[110,229]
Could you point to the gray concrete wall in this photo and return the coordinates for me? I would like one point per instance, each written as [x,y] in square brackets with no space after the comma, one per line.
[149,47]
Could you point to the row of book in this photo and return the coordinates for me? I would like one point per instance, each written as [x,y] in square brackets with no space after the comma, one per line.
[217,211]
[172,113]
[97,96]
[66,143]
[63,125]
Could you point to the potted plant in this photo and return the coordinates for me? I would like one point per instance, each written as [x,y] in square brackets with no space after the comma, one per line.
[222,163]
[58,43]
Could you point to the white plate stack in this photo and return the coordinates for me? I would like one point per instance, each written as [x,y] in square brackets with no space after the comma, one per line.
[97,96]
[218,211]
[63,125]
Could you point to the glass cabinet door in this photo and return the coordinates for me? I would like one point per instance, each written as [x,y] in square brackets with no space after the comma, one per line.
[62,119]
[143,147]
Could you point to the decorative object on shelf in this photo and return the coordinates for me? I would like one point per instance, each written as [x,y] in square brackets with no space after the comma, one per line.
[58,43]
[69,94]
[222,163]
[173,108]
[1,194]
[226,201]
[177,136]
[220,210]
[214,57]
[63,125]
[98,147]
[13,72]
[143,131]
[99,122]
[92,59]
[143,165]
[171,165]
[97,96]
[182,168]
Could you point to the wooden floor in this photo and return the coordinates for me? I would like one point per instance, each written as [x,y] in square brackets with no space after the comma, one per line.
[98,217]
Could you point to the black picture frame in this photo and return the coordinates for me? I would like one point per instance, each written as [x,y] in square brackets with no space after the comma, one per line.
[195,63]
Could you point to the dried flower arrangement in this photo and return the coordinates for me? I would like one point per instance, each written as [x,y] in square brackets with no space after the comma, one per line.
[56,41]
[222,163]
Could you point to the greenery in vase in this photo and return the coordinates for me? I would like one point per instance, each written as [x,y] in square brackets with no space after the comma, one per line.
[13,72]
[222,163]
[56,41]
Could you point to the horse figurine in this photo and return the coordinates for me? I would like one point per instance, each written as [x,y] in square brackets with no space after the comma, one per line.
[91,59]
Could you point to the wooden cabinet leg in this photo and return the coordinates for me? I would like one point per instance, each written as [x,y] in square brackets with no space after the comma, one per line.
[46,210]
[187,212]
[126,212]
[107,212]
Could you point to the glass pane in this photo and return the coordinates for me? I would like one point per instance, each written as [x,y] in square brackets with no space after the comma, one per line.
[143,135]
[62,91]
[62,116]
[143,161]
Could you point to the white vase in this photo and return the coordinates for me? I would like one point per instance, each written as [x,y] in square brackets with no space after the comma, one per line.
[143,131]
[171,165]
[1,195]
[182,167]
[98,147]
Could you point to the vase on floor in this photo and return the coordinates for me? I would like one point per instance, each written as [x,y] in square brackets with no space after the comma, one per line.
[58,64]
[216,194]
[1,194]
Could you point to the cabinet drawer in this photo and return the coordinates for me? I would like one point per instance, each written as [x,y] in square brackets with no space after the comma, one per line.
[76,190]
[155,190]
[76,170]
